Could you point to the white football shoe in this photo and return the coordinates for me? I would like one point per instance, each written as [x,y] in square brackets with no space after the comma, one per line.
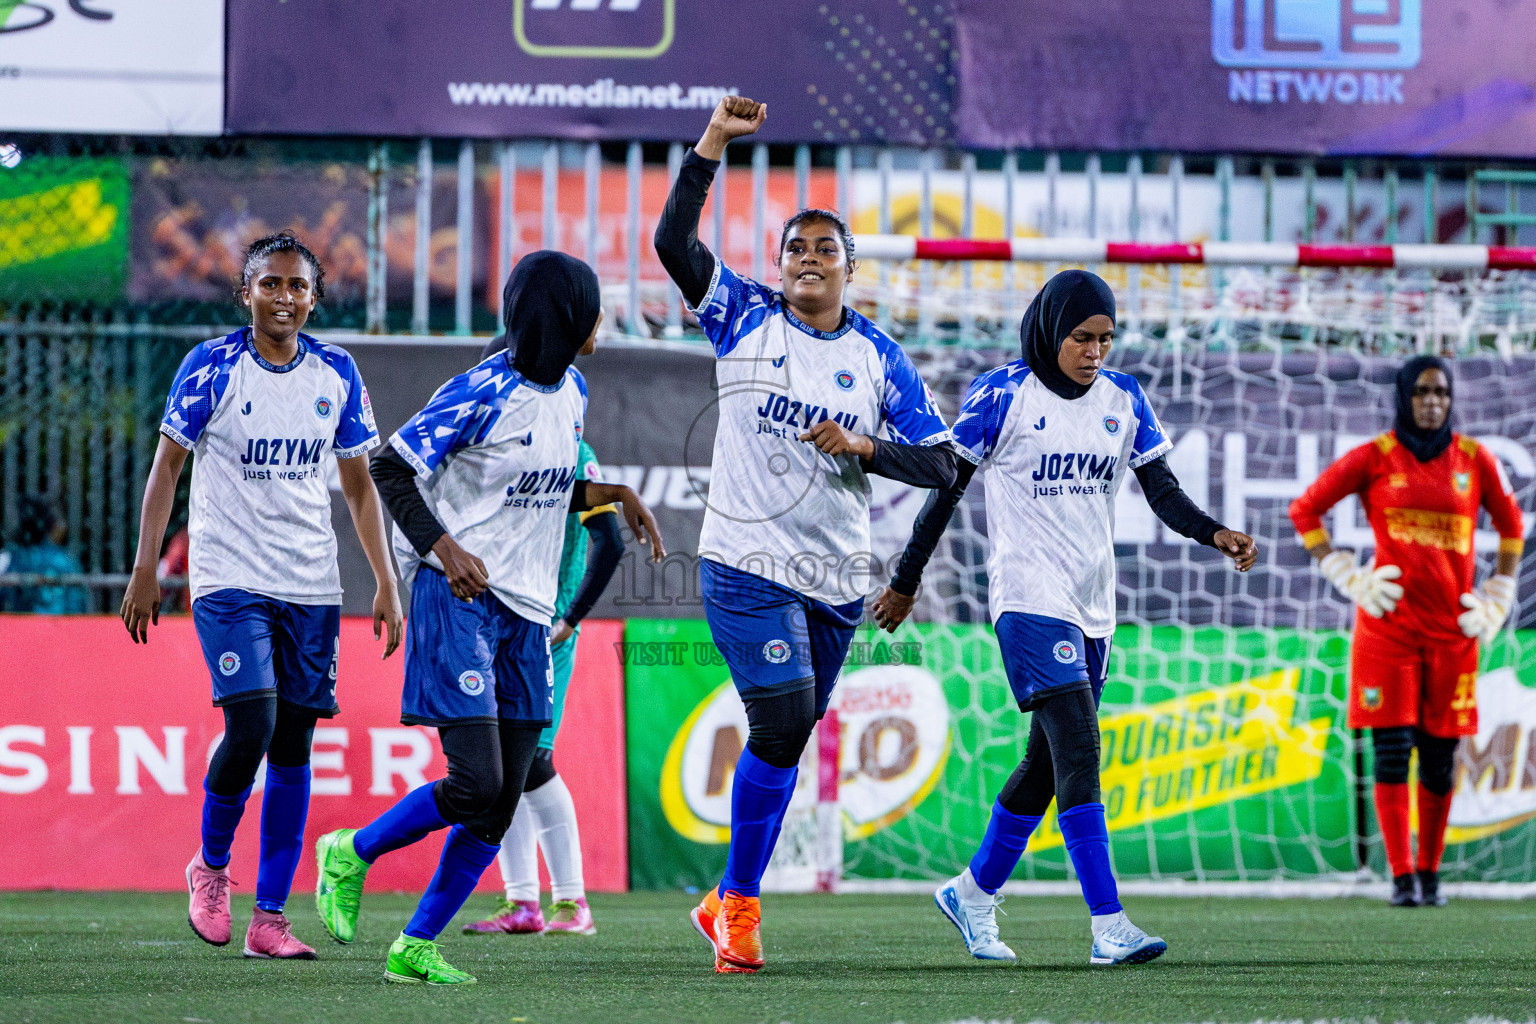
[973,911]
[1121,942]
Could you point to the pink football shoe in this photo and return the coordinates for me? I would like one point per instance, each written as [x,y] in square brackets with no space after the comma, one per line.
[270,937]
[208,905]
[515,917]
[571,917]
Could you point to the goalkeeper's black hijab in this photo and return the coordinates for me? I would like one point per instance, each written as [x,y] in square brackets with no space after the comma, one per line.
[1067,299]
[1424,444]
[548,309]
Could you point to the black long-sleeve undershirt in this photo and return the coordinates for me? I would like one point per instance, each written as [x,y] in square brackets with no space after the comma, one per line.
[396,480]
[602,559]
[933,466]
[687,260]
[1164,495]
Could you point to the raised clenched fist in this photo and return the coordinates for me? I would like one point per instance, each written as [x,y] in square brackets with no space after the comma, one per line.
[736,116]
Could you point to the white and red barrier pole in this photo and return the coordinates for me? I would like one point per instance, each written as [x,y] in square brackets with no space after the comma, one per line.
[1225,254]
[829,815]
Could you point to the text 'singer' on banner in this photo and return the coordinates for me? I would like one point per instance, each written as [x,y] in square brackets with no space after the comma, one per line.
[1321,76]
[854,71]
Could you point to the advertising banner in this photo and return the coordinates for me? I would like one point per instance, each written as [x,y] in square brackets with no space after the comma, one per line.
[590,69]
[103,747]
[63,230]
[118,66]
[1398,77]
[1224,756]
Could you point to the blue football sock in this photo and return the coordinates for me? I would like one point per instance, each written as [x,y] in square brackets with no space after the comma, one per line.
[411,819]
[1088,845]
[464,860]
[284,809]
[1001,848]
[221,814]
[759,797]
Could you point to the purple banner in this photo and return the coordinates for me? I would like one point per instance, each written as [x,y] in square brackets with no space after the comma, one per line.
[851,71]
[1391,77]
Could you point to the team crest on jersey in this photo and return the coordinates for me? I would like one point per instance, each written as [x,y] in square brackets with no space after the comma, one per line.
[1463,482]
[844,379]
[1065,652]
[229,663]
[576,426]
[1111,425]
[776,652]
[323,407]
[472,682]
[1370,698]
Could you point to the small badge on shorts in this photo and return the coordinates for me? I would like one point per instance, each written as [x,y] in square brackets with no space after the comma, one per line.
[229,663]
[1370,698]
[776,652]
[323,407]
[1065,652]
[472,683]
[1111,425]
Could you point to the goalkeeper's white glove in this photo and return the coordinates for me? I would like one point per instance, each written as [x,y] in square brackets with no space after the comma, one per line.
[1370,586]
[1487,608]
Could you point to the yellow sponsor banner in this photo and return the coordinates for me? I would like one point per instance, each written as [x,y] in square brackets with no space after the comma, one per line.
[61,219]
[1198,751]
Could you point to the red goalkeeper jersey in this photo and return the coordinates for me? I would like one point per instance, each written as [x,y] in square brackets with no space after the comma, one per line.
[1423,515]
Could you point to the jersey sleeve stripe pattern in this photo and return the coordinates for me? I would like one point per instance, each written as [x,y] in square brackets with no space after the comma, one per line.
[198,387]
[459,415]
[984,409]
[911,415]
[734,307]
[356,433]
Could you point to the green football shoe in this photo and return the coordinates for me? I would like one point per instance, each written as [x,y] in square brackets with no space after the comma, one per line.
[339,887]
[413,961]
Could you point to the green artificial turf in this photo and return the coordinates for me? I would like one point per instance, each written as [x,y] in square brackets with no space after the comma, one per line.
[127,957]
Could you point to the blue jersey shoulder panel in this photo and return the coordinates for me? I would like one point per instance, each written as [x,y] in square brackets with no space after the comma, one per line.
[356,432]
[1150,442]
[985,408]
[460,414]
[906,404]
[199,385]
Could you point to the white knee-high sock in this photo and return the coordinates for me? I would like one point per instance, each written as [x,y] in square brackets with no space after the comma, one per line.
[519,855]
[555,814]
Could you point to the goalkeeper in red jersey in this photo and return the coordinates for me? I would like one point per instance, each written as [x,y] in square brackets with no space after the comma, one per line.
[1413,667]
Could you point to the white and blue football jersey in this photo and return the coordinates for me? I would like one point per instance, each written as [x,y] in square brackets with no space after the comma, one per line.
[266,438]
[778,507]
[1053,468]
[495,456]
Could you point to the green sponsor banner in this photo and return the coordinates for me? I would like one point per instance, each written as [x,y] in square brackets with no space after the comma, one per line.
[1223,756]
[63,230]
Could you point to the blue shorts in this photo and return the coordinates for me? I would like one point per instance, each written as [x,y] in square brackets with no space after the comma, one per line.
[257,645]
[773,639]
[472,661]
[1044,657]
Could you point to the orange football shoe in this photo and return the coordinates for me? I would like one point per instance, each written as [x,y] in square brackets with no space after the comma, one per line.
[738,938]
[703,917]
